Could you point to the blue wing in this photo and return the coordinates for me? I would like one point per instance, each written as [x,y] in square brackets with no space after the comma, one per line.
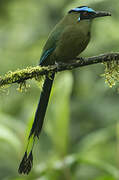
[46,54]
[51,43]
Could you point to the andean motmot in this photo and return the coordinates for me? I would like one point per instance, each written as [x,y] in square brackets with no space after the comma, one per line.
[67,40]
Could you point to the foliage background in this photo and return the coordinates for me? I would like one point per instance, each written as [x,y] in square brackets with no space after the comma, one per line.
[80,139]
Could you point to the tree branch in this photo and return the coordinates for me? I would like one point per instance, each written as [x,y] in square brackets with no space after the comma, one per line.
[20,76]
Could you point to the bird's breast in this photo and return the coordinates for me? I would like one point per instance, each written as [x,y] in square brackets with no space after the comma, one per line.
[73,41]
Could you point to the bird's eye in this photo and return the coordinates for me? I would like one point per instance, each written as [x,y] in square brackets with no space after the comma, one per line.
[85,13]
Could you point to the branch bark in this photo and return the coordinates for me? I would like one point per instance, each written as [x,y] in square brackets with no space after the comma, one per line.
[20,76]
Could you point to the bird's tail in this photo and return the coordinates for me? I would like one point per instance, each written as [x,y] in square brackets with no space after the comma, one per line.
[27,160]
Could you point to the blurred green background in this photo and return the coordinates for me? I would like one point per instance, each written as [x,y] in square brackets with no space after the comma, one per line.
[80,138]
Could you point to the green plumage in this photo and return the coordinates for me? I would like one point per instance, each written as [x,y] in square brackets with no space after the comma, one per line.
[69,38]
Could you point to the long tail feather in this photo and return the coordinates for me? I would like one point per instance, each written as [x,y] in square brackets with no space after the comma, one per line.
[27,160]
[42,106]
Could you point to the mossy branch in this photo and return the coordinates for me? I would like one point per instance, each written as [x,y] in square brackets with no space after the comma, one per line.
[111,61]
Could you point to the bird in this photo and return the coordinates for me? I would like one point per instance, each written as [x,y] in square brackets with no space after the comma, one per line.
[68,39]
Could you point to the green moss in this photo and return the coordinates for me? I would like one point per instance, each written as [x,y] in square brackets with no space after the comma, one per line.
[20,77]
[111,72]
[39,81]
[23,86]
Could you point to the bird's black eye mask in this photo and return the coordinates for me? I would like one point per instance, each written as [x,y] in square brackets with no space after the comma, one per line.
[86,15]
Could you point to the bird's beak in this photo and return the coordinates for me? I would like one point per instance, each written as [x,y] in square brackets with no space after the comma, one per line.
[101,14]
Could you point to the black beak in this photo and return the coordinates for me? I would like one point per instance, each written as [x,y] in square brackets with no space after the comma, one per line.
[101,14]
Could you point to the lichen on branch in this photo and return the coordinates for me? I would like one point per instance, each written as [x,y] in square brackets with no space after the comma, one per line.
[111,73]
[20,76]
[110,60]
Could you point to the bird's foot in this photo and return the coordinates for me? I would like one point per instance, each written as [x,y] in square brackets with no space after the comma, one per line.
[59,65]
[80,59]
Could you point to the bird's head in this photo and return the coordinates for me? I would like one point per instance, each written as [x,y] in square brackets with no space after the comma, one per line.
[88,13]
